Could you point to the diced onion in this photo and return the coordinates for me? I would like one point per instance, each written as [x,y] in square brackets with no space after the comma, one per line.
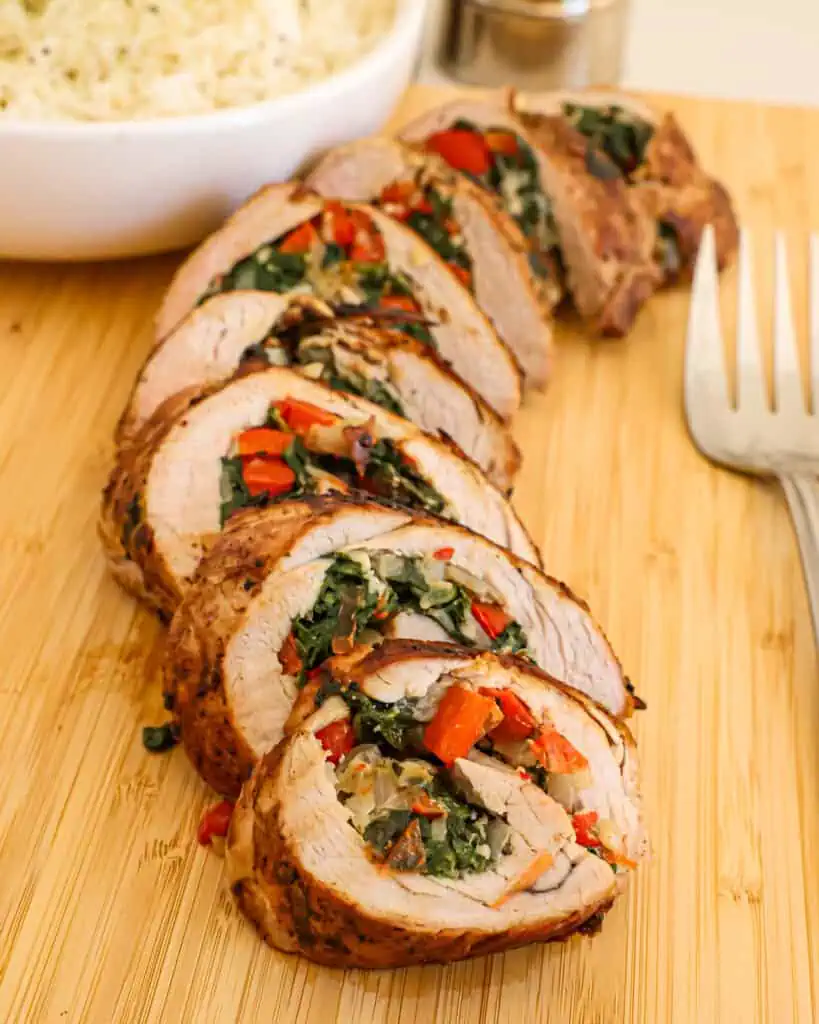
[476,586]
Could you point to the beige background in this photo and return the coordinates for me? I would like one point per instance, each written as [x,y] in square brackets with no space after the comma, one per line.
[739,49]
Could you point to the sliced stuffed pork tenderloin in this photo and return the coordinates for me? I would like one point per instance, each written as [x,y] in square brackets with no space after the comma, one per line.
[440,803]
[596,236]
[285,239]
[659,164]
[292,585]
[237,331]
[262,438]
[480,242]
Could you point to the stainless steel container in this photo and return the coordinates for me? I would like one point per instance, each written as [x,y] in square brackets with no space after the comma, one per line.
[534,44]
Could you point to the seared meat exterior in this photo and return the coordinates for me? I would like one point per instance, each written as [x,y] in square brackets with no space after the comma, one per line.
[607,235]
[280,219]
[233,670]
[306,854]
[684,197]
[360,355]
[514,297]
[165,502]
[662,170]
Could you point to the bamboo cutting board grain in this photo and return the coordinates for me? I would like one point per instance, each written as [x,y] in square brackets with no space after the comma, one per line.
[110,912]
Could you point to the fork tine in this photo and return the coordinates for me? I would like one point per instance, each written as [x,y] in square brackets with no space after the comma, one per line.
[751,392]
[705,375]
[813,289]
[788,395]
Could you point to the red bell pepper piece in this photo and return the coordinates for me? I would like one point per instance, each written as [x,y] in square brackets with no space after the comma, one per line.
[289,656]
[264,441]
[583,824]
[300,416]
[405,303]
[492,619]
[556,754]
[338,739]
[215,822]
[339,224]
[424,805]
[268,476]
[464,150]
[463,275]
[399,192]
[369,249]
[444,554]
[462,718]
[518,722]
[301,240]
[505,143]
[369,246]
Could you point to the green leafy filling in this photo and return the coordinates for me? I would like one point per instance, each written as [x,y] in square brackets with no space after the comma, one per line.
[347,604]
[622,136]
[266,270]
[159,738]
[344,591]
[378,280]
[463,850]
[447,603]
[348,381]
[519,173]
[366,387]
[511,641]
[432,227]
[390,476]
[668,250]
[374,720]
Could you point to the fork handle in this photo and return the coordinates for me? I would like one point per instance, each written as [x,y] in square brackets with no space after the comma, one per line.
[802,494]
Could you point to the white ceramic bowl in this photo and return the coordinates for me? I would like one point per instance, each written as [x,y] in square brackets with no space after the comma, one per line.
[110,190]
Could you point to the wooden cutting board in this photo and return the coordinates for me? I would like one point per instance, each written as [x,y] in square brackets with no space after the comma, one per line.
[110,912]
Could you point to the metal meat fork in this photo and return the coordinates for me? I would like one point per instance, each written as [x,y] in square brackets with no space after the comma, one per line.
[782,442]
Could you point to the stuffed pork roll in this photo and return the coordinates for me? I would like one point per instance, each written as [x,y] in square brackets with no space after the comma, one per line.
[261,438]
[353,353]
[587,226]
[653,155]
[480,242]
[294,584]
[285,239]
[438,804]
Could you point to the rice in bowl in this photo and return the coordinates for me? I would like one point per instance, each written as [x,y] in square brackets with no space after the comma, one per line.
[120,60]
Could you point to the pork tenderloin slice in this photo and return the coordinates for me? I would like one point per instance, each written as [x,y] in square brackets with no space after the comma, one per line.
[464,336]
[681,193]
[210,638]
[297,807]
[182,497]
[607,238]
[506,287]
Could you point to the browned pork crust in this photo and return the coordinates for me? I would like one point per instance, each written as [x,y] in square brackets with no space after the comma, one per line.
[296,912]
[607,236]
[215,607]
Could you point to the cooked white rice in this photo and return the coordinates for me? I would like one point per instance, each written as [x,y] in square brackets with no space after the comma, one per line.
[113,60]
